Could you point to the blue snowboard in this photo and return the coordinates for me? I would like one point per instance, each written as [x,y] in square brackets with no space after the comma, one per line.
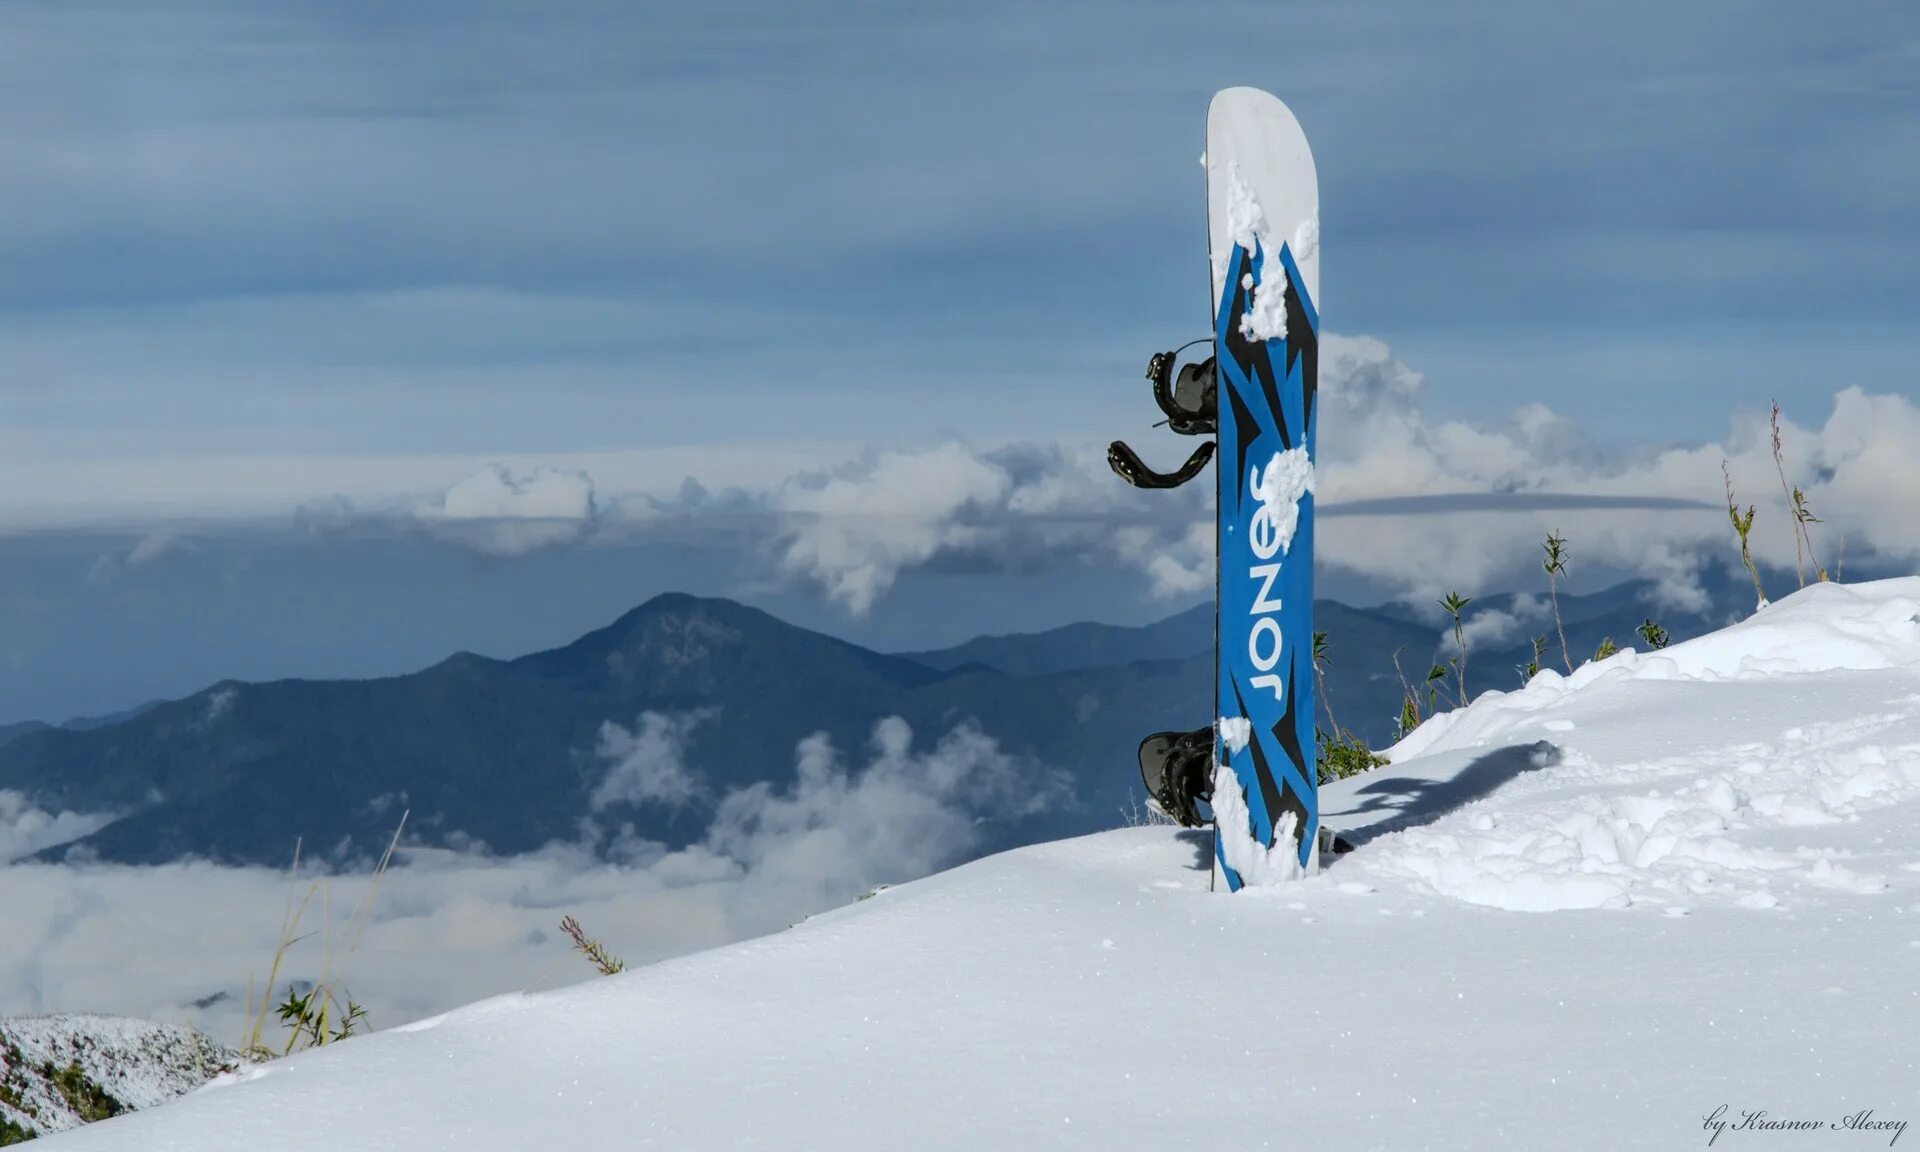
[1263,233]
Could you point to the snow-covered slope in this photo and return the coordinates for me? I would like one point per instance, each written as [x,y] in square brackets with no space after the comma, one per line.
[58,1072]
[1583,915]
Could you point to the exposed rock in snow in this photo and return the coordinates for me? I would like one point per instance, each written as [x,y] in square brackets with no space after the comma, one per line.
[59,1072]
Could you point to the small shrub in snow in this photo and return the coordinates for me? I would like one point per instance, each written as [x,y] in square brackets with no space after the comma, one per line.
[315,1018]
[1556,566]
[1435,675]
[1532,667]
[1796,508]
[325,1012]
[1742,528]
[1341,753]
[1345,755]
[593,950]
[1455,604]
[87,1100]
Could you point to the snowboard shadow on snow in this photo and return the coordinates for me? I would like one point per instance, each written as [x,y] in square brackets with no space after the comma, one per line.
[1398,803]
[1201,841]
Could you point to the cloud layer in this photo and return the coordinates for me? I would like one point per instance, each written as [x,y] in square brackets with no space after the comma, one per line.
[25,829]
[451,927]
[497,511]
[1413,503]
[909,546]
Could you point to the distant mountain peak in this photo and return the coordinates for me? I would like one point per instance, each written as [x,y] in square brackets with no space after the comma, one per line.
[682,645]
[674,602]
[687,633]
[686,606]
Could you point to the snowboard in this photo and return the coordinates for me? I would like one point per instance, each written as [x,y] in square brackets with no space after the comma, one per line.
[1263,226]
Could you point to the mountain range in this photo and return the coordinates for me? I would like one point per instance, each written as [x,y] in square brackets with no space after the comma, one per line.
[508,753]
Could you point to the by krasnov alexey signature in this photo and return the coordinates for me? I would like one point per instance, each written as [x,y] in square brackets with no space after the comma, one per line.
[1757,1120]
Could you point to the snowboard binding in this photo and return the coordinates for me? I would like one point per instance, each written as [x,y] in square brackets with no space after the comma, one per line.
[1177,768]
[1187,397]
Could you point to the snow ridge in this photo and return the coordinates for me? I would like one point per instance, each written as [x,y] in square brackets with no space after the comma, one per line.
[1821,628]
[1724,822]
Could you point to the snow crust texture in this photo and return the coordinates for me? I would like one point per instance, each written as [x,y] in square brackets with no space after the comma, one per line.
[59,1072]
[1822,628]
[1674,831]
[1602,827]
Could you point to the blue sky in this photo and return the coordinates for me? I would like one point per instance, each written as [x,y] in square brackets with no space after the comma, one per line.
[258,258]
[402,230]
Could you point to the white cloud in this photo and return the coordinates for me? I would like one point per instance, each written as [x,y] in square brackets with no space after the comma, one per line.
[152,546]
[451,927]
[493,493]
[1492,627]
[855,530]
[1178,564]
[39,491]
[500,512]
[1528,606]
[1417,503]
[1676,575]
[1377,444]
[1532,473]
[648,765]
[835,831]
[220,703]
[25,829]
